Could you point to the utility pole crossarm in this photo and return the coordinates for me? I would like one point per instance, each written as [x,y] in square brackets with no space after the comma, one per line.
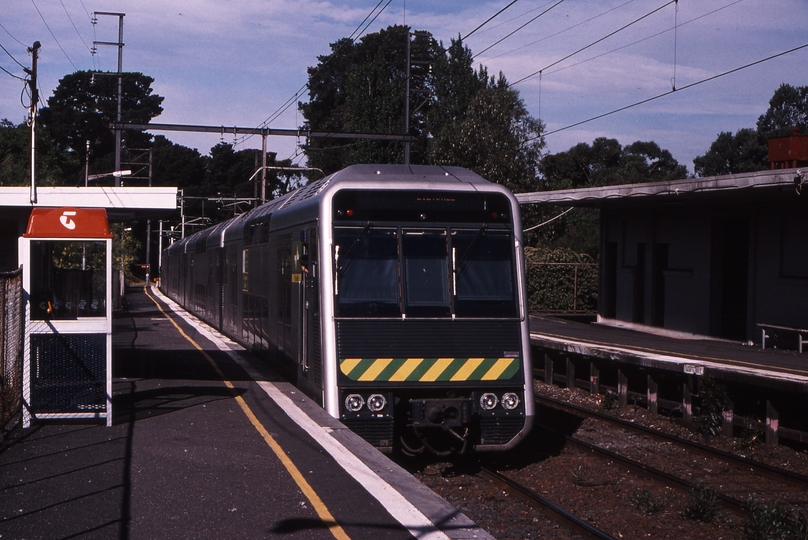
[235,130]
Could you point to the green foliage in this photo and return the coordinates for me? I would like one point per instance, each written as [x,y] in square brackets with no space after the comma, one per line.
[702,504]
[765,522]
[606,162]
[610,401]
[552,284]
[457,116]
[15,157]
[709,413]
[745,151]
[648,503]
[125,247]
[788,109]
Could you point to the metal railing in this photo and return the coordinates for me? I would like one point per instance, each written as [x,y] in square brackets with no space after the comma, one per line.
[11,348]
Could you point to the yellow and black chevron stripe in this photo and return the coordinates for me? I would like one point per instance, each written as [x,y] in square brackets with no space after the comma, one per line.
[429,369]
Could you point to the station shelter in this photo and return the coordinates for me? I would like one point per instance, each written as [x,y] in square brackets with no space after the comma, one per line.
[66,257]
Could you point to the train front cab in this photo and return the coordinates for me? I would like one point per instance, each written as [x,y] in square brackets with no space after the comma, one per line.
[430,321]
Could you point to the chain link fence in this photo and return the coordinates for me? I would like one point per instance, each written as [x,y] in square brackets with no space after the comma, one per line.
[11,348]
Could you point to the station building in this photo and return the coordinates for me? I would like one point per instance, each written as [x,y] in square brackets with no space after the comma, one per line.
[723,256]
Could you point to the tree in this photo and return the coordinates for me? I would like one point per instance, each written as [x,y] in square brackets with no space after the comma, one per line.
[604,162]
[496,137]
[361,87]
[15,157]
[84,105]
[788,109]
[745,151]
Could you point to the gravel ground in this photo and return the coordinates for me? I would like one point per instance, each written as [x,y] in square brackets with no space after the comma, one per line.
[607,495]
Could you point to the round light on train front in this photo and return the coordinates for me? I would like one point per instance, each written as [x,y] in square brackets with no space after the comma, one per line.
[510,401]
[488,401]
[354,402]
[376,402]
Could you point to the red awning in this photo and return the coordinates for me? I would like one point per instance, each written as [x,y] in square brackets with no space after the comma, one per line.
[68,223]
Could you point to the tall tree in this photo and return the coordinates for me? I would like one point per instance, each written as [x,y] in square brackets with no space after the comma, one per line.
[15,157]
[361,87]
[745,151]
[84,105]
[788,109]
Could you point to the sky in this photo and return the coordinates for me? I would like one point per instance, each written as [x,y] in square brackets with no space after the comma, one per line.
[243,62]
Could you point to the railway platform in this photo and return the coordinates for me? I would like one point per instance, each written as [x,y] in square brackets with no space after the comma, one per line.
[207,442]
[778,369]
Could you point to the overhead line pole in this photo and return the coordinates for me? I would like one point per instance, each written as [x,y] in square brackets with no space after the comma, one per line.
[119,44]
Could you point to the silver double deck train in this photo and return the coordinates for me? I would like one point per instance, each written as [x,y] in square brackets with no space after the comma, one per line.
[392,295]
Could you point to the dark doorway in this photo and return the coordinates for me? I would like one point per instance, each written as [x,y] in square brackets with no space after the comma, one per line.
[610,280]
[659,264]
[731,277]
[638,310]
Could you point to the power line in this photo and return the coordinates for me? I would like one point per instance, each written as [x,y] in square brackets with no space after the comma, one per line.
[12,37]
[643,39]
[515,31]
[635,21]
[562,31]
[53,35]
[669,92]
[74,26]
[491,18]
[11,74]
[11,56]
[351,39]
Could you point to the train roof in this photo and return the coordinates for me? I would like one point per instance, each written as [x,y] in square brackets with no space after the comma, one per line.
[302,205]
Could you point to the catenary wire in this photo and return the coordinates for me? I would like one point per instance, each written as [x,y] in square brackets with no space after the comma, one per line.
[560,31]
[74,26]
[352,38]
[11,35]
[491,18]
[635,21]
[669,92]
[521,27]
[643,39]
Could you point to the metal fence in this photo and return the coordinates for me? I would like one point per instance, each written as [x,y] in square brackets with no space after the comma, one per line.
[562,287]
[11,348]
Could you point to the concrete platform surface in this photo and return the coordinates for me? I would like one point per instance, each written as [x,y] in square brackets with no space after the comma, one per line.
[207,443]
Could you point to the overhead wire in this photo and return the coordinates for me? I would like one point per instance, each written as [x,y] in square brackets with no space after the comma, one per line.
[669,92]
[610,34]
[351,39]
[515,31]
[74,26]
[53,35]
[545,38]
[643,39]
[488,20]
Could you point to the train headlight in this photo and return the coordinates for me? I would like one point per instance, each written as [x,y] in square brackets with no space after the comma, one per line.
[510,401]
[354,402]
[488,401]
[376,402]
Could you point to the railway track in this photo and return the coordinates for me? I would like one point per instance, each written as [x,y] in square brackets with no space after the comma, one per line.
[566,518]
[795,480]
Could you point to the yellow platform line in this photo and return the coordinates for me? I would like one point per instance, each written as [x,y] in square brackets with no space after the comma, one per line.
[316,503]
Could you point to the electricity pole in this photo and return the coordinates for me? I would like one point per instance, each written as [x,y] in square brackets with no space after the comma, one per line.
[34,101]
[119,44]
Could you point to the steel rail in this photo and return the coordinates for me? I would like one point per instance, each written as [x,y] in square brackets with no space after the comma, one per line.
[543,504]
[768,471]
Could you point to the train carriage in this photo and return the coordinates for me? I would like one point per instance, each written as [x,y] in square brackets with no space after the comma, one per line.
[392,295]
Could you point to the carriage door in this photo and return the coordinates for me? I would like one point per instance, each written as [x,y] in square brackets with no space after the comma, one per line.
[309,344]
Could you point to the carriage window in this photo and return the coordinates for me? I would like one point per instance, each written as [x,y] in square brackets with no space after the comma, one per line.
[426,273]
[366,261]
[483,273]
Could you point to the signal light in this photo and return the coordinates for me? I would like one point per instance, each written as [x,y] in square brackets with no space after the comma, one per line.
[354,402]
[510,401]
[488,401]
[376,402]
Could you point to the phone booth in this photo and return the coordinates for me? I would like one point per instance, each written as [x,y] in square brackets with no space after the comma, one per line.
[66,255]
